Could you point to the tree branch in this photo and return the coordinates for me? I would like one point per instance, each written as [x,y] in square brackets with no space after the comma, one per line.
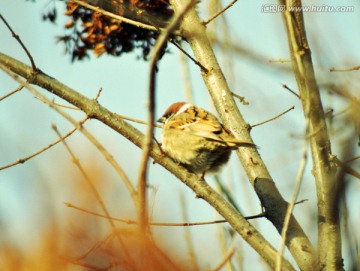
[155,56]
[329,236]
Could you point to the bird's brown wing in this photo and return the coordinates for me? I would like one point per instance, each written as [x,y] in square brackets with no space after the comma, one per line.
[208,128]
[211,128]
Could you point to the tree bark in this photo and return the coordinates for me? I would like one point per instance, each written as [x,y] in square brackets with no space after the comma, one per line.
[329,235]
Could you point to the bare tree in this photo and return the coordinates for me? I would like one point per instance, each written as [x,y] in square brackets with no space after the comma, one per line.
[180,24]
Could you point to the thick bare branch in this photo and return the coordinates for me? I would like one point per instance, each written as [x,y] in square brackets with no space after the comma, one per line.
[329,238]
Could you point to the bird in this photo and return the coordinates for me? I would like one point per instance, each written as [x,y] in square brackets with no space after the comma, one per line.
[194,138]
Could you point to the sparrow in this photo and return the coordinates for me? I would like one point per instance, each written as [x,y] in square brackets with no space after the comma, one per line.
[196,139]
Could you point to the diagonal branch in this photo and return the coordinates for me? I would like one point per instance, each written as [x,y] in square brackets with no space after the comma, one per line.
[219,13]
[20,42]
[24,159]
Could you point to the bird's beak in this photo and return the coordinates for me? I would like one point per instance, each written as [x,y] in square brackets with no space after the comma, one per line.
[161,120]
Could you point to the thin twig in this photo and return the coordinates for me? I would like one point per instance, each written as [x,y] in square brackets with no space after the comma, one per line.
[220,12]
[281,60]
[226,258]
[189,56]
[300,201]
[333,69]
[24,159]
[66,106]
[241,98]
[164,224]
[12,92]
[351,159]
[329,113]
[138,121]
[148,141]
[95,247]
[96,193]
[345,167]
[98,94]
[21,43]
[274,118]
[291,205]
[289,89]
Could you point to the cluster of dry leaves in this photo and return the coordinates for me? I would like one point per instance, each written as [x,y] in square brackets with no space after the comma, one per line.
[91,31]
